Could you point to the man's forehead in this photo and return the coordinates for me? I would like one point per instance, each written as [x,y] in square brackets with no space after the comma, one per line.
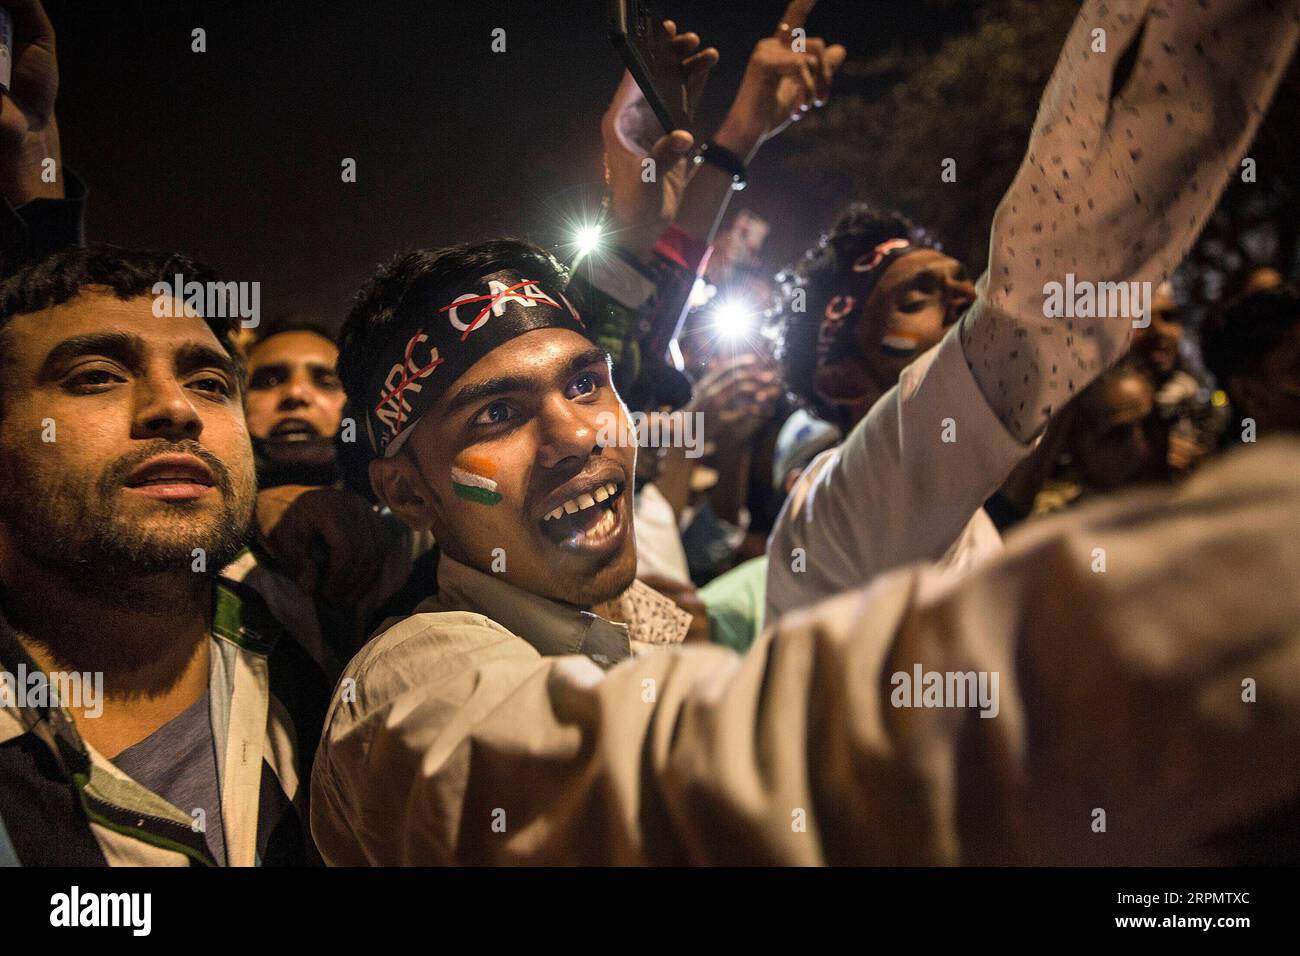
[536,357]
[539,354]
[909,266]
[298,346]
[37,333]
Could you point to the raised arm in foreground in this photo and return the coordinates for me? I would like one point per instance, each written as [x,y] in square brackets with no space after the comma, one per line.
[1129,155]
[1121,691]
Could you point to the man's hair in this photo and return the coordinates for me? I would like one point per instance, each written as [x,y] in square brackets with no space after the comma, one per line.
[126,273]
[1236,339]
[371,320]
[295,321]
[858,229]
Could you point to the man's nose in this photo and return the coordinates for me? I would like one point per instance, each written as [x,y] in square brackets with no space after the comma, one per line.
[297,393]
[568,433]
[164,410]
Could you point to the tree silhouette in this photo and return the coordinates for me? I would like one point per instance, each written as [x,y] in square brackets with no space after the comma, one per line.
[973,100]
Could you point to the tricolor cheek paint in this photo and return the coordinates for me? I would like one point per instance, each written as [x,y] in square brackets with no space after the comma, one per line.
[471,479]
[899,344]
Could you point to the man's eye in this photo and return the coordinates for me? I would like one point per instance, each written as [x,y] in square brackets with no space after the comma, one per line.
[212,383]
[495,414]
[93,379]
[584,384]
[265,380]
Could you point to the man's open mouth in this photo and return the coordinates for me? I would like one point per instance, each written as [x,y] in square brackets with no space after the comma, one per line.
[589,519]
[172,478]
[294,429]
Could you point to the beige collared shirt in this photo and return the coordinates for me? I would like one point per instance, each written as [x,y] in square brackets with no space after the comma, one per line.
[637,620]
[417,675]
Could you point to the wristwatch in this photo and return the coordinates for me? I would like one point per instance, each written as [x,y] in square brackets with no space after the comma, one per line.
[725,160]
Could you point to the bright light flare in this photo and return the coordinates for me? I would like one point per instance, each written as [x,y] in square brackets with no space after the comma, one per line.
[587,239]
[734,318]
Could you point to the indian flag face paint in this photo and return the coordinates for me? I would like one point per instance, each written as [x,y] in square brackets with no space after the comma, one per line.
[899,344]
[471,479]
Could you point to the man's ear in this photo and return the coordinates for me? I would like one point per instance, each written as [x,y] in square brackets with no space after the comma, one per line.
[400,486]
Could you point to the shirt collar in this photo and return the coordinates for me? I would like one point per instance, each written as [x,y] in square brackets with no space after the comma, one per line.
[18,665]
[641,615]
[228,614]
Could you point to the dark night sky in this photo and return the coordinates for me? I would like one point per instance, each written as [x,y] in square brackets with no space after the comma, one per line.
[233,155]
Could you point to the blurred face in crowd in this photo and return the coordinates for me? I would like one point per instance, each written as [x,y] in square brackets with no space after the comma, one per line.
[122,444]
[510,458]
[1116,440]
[294,393]
[1157,344]
[907,313]
[1269,392]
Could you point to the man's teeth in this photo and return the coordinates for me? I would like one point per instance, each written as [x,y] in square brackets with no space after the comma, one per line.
[584,501]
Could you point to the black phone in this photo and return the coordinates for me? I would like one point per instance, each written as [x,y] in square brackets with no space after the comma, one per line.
[644,47]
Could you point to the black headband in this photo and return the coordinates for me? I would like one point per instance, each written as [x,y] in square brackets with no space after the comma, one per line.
[440,332]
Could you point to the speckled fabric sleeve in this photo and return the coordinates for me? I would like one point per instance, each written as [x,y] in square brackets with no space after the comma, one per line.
[1129,154]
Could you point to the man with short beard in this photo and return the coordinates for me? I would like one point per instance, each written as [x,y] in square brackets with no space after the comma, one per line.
[126,485]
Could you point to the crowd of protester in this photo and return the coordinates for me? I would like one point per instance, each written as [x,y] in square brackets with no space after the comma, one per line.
[374,596]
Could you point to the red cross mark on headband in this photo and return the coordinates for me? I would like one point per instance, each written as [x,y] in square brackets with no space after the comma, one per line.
[878,253]
[839,306]
[493,298]
[408,379]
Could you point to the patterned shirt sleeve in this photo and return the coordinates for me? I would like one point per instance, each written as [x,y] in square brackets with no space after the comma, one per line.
[1151,108]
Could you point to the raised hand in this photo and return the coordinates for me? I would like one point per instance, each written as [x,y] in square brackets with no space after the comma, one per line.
[631,133]
[28,132]
[736,396]
[786,76]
